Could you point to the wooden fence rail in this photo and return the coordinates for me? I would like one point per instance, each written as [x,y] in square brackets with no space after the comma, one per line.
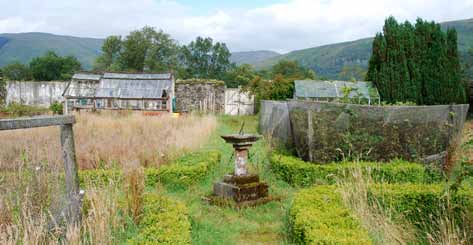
[73,210]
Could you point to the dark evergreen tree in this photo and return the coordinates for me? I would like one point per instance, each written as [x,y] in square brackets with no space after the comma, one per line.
[416,64]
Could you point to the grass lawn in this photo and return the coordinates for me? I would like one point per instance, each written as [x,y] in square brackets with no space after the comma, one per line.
[264,224]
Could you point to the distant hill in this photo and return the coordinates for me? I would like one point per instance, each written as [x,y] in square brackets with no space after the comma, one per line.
[252,57]
[328,60]
[23,47]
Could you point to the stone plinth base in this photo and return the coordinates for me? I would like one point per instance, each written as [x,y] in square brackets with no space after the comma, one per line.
[241,188]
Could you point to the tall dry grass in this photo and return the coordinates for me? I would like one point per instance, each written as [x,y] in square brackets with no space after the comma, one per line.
[26,220]
[32,195]
[442,228]
[105,141]
[374,218]
[101,224]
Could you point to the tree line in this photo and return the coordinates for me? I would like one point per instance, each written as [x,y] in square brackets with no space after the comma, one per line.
[48,67]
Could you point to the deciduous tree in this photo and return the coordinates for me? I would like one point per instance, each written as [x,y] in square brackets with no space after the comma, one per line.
[204,59]
[16,72]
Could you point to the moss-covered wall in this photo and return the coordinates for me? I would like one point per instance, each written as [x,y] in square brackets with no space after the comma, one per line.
[200,95]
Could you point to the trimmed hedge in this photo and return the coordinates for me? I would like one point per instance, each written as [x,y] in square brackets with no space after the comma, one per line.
[318,216]
[185,171]
[164,221]
[300,173]
[421,203]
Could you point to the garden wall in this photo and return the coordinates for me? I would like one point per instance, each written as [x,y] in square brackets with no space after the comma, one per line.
[200,95]
[35,93]
[325,132]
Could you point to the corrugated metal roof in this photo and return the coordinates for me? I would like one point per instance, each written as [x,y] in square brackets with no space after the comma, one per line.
[121,88]
[137,76]
[85,76]
[334,89]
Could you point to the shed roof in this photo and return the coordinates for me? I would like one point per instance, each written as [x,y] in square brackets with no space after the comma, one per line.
[122,87]
[334,89]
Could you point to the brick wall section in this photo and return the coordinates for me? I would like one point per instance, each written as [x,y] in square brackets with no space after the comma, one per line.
[200,95]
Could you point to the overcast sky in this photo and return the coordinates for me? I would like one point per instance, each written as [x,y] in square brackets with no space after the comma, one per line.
[279,25]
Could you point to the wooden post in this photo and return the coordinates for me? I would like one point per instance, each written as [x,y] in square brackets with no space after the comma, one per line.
[71,172]
[69,155]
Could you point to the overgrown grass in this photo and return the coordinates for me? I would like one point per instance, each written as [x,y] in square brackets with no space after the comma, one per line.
[32,196]
[19,110]
[108,141]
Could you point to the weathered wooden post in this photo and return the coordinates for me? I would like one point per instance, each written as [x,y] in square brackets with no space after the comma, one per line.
[71,172]
[74,196]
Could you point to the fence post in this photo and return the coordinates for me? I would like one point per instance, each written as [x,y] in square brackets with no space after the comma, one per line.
[70,167]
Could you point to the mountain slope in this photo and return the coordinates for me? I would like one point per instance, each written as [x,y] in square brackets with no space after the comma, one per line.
[328,61]
[23,47]
[252,57]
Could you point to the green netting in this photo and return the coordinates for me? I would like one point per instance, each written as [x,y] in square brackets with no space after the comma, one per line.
[325,132]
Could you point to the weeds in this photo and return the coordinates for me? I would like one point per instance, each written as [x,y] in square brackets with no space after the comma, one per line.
[134,188]
[378,221]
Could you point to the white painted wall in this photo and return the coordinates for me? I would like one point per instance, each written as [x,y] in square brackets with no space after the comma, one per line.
[35,93]
[238,102]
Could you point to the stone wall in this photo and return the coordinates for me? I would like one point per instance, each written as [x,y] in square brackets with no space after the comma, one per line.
[200,95]
[35,93]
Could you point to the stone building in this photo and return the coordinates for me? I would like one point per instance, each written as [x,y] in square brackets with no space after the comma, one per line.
[207,96]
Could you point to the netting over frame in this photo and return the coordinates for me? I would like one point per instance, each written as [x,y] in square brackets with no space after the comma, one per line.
[274,121]
[324,132]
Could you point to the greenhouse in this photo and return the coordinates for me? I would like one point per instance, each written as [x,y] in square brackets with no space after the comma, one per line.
[336,91]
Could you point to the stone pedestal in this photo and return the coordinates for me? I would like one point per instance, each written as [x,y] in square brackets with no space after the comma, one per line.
[241,188]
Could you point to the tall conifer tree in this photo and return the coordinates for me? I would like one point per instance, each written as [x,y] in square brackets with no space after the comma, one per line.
[416,64]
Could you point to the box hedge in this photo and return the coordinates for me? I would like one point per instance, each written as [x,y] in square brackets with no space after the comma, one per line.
[185,171]
[318,216]
[300,173]
[422,203]
[164,221]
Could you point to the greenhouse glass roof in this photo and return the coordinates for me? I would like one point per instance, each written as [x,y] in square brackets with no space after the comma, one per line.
[335,89]
[122,86]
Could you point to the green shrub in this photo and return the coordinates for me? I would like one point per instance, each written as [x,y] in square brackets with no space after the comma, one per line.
[185,171]
[318,216]
[300,173]
[56,108]
[164,221]
[422,203]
